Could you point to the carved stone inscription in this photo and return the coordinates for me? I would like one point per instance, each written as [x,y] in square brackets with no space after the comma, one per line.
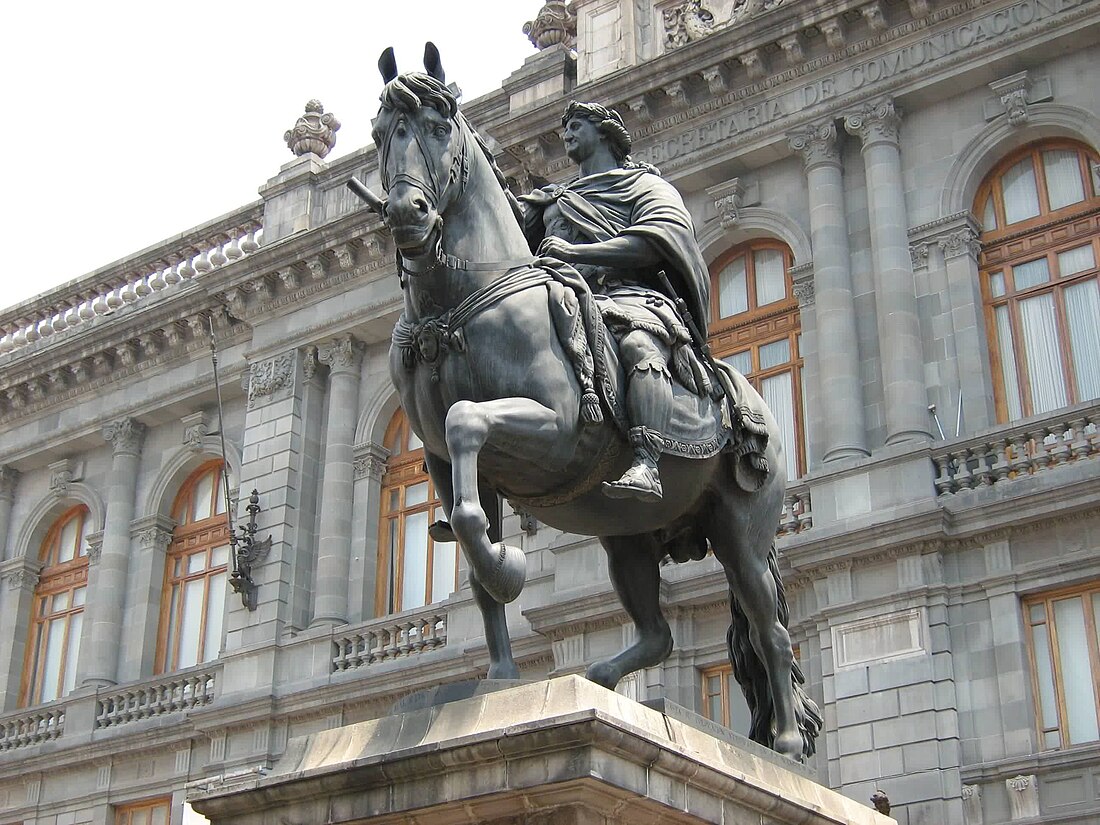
[1006,23]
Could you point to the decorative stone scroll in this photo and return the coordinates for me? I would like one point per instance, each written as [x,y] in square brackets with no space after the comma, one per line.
[972,804]
[817,144]
[266,378]
[369,461]
[555,23]
[728,200]
[315,131]
[960,242]
[62,474]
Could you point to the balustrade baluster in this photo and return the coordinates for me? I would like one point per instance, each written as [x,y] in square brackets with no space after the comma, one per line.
[129,294]
[1040,458]
[1001,466]
[233,248]
[59,323]
[30,332]
[249,243]
[1059,445]
[169,273]
[186,269]
[216,256]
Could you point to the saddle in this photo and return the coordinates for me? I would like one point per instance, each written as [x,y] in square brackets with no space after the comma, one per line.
[703,423]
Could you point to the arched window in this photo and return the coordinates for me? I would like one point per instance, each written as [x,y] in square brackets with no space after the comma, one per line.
[413,570]
[1039,263]
[755,328]
[58,616]
[196,570]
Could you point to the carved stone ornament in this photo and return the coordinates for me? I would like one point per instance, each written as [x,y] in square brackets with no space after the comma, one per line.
[309,362]
[125,435]
[1013,93]
[20,577]
[95,546]
[802,283]
[9,477]
[155,538]
[1023,796]
[747,9]
[817,144]
[972,804]
[195,429]
[728,200]
[268,377]
[369,466]
[878,121]
[918,255]
[62,474]
[345,354]
[555,23]
[687,22]
[961,242]
[314,132]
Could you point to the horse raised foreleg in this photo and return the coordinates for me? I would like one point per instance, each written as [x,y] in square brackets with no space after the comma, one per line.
[500,568]
[634,565]
[501,663]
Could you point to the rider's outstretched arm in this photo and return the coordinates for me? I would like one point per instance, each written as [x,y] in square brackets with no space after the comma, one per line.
[625,251]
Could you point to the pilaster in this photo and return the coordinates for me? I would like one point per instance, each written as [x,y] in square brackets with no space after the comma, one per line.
[150,537]
[840,395]
[344,359]
[367,469]
[9,478]
[18,578]
[99,651]
[877,125]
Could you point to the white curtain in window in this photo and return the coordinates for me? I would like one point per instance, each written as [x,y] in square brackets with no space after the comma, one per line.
[740,361]
[414,572]
[1076,260]
[1043,354]
[733,295]
[1063,174]
[989,217]
[778,393]
[1031,274]
[1083,315]
[1008,364]
[770,279]
[1021,194]
[1073,659]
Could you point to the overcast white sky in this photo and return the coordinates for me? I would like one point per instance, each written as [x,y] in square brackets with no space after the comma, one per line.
[130,122]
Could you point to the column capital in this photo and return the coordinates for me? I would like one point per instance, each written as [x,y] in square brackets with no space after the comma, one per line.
[816,143]
[877,122]
[125,435]
[309,362]
[20,573]
[802,281]
[370,461]
[344,354]
[95,546]
[153,532]
[962,241]
[9,477]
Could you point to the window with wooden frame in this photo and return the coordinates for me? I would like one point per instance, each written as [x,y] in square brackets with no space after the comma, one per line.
[413,570]
[755,328]
[149,812]
[1065,658]
[58,615]
[1039,265]
[196,573]
[722,699]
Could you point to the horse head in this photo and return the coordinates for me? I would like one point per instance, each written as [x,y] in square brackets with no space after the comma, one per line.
[424,151]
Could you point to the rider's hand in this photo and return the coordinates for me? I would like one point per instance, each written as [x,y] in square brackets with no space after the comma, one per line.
[561,249]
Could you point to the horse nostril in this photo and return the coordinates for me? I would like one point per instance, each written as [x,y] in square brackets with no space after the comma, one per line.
[421,204]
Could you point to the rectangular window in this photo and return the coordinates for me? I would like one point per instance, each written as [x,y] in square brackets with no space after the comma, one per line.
[722,700]
[733,295]
[1021,196]
[1066,660]
[1063,177]
[149,812]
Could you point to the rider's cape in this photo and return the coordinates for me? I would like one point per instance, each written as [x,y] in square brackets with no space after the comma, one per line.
[631,201]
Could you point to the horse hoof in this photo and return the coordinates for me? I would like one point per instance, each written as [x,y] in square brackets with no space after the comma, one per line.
[603,674]
[504,582]
[789,745]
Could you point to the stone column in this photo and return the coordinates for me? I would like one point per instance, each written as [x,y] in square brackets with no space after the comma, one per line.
[99,652]
[841,397]
[369,467]
[330,605]
[9,476]
[898,325]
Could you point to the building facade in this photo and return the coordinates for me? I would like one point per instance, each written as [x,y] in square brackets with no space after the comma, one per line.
[900,206]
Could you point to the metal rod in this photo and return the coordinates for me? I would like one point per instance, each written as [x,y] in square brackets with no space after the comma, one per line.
[936,418]
[959,416]
[221,435]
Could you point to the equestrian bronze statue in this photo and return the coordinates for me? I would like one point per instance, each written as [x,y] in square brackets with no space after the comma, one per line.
[554,354]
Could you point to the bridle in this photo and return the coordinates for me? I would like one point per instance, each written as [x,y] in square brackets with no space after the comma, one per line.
[441,191]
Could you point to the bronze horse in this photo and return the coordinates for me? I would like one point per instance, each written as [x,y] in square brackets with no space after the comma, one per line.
[489,388]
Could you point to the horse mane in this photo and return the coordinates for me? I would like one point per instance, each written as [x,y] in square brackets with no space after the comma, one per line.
[412,90]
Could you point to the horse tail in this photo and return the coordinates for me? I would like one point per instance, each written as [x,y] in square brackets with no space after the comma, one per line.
[752,675]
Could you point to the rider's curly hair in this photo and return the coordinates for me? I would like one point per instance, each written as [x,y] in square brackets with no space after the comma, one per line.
[611,125]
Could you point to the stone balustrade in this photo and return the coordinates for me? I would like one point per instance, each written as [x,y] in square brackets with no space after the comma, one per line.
[797,515]
[31,728]
[175,261]
[176,693]
[1024,449]
[389,638]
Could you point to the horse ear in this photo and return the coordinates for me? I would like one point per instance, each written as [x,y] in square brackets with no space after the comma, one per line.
[387,65]
[432,63]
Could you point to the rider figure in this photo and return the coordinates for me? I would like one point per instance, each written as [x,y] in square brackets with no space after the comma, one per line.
[620,224]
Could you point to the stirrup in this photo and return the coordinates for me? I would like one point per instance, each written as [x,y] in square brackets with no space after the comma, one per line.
[640,481]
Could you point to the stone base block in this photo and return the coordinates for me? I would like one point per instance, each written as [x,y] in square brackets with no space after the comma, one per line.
[560,751]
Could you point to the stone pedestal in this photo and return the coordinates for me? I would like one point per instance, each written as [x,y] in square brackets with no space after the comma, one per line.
[559,751]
